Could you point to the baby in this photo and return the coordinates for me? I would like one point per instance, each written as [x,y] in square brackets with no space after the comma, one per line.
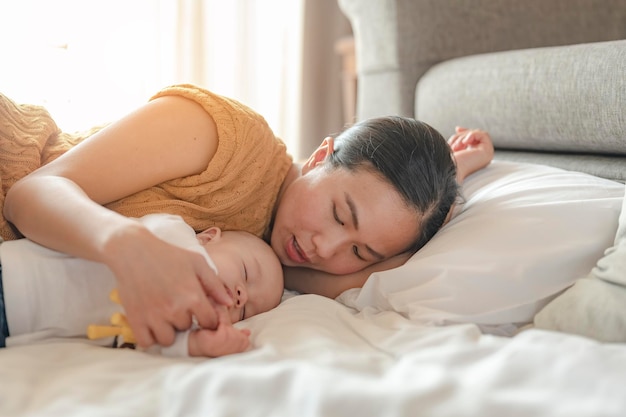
[46,294]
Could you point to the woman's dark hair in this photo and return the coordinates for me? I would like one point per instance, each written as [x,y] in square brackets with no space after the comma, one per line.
[412,156]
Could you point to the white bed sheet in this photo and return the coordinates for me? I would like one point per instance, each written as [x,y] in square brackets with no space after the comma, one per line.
[313,356]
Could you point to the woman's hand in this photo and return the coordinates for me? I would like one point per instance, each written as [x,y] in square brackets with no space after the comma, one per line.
[223,341]
[162,287]
[472,149]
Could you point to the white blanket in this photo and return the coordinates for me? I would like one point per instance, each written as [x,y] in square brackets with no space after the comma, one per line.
[313,356]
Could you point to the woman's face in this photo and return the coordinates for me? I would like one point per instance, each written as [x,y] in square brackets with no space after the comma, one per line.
[341,221]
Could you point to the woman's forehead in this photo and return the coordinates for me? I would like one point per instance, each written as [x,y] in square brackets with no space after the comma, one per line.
[364,172]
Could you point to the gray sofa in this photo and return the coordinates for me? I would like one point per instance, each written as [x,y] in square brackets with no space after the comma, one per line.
[547,78]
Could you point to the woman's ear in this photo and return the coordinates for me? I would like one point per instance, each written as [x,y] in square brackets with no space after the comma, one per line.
[318,156]
[212,234]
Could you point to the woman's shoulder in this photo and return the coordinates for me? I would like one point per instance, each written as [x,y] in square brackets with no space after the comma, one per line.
[236,122]
[218,106]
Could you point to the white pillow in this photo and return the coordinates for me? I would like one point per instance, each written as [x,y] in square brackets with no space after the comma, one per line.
[524,234]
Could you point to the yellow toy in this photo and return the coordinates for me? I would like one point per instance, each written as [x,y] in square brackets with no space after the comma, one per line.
[119,325]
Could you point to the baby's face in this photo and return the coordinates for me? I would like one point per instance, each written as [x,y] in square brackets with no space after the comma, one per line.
[248,268]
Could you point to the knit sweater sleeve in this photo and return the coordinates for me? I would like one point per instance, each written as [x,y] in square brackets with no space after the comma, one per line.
[25,131]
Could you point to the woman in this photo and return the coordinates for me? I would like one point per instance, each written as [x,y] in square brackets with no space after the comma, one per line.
[215,162]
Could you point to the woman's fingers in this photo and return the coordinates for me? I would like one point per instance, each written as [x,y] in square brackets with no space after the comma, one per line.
[162,333]
[205,314]
[214,288]
[152,326]
[465,138]
[456,140]
[162,293]
[209,314]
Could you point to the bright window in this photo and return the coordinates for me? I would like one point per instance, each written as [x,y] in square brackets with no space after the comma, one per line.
[92,61]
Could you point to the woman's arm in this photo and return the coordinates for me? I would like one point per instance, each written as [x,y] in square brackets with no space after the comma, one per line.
[60,206]
[472,150]
[311,281]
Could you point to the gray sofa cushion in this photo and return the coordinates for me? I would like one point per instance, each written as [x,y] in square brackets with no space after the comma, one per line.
[566,98]
[397,41]
[606,166]
[535,98]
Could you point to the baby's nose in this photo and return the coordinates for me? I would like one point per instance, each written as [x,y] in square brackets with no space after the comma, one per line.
[241,296]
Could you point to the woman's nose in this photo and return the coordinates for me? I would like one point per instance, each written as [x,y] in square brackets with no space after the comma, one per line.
[327,244]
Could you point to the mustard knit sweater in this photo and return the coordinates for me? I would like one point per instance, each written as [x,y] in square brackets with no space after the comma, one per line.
[237,191]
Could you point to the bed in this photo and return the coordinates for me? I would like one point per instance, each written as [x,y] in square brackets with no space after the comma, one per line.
[452,332]
[448,334]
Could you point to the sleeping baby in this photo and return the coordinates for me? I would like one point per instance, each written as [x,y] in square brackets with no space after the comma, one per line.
[45,294]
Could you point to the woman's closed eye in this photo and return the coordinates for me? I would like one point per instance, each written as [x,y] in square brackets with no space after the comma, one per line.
[355,248]
[336,216]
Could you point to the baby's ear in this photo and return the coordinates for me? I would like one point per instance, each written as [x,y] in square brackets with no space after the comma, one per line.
[211,234]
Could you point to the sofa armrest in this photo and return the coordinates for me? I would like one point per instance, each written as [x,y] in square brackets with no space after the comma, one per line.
[397,41]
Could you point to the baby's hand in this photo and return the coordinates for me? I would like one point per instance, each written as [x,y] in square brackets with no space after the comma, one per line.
[225,340]
[472,149]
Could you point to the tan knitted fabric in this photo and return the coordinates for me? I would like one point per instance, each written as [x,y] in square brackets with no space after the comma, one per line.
[237,191]
[240,186]
[29,138]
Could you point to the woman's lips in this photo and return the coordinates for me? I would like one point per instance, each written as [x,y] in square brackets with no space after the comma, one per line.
[294,252]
